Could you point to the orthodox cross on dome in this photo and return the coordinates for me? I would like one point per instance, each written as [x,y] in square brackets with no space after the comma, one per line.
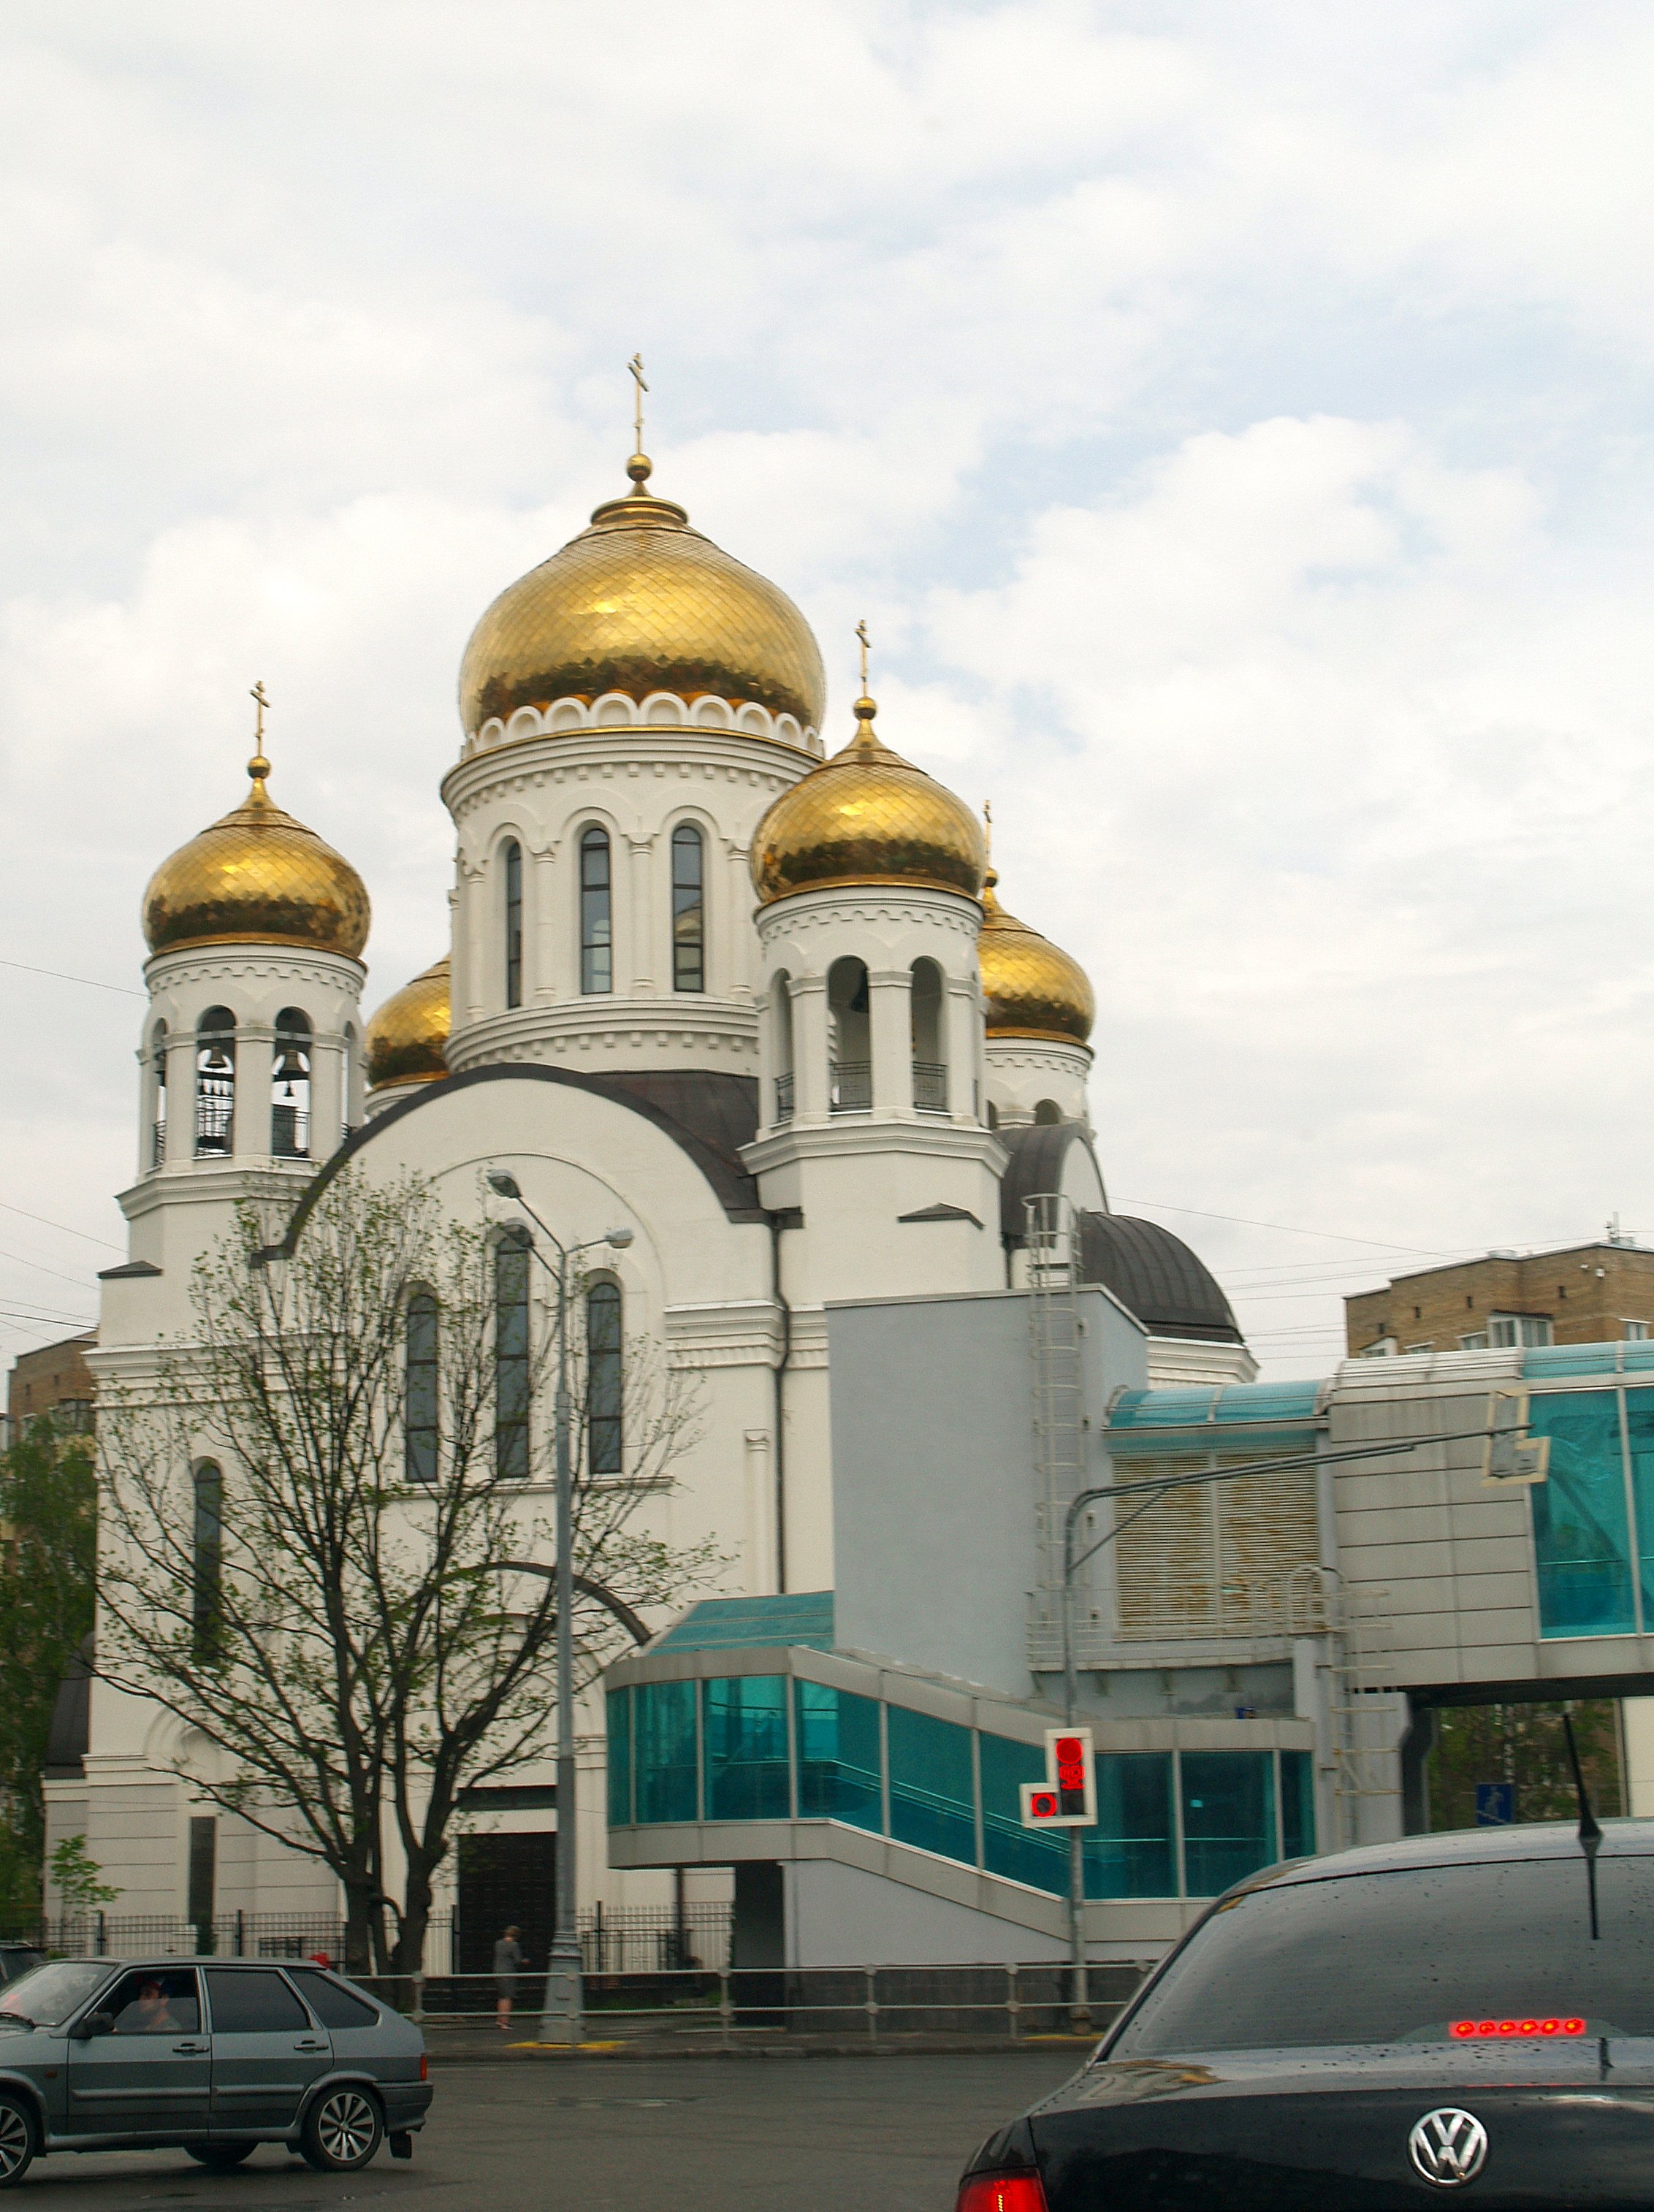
[258,767]
[862,633]
[635,365]
[988,825]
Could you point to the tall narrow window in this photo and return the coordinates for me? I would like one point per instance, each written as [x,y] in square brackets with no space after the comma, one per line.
[207,1564]
[348,1086]
[158,1066]
[782,1001]
[511,1355]
[849,1070]
[604,1379]
[214,1082]
[597,964]
[689,910]
[421,1416]
[290,1087]
[513,923]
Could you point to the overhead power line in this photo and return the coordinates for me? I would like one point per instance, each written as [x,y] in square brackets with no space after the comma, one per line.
[1291,1229]
[6,1206]
[58,976]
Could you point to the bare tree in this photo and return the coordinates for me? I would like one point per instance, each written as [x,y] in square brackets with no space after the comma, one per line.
[322,1549]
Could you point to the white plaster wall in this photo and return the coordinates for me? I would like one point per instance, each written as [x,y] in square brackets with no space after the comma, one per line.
[1022,1072]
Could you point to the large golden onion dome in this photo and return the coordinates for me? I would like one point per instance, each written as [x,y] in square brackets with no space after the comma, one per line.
[405,1037]
[1034,989]
[641,603]
[258,877]
[868,817]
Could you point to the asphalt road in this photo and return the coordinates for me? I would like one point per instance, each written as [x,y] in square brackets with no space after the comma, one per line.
[684,2134]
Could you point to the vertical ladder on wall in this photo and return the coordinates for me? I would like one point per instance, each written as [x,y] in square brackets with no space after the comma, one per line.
[1058,1393]
[1362,1719]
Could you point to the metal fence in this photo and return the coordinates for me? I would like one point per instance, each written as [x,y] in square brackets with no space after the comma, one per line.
[863,2005]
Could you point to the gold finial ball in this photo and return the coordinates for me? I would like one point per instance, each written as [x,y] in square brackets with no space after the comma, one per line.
[1033,989]
[406,1037]
[639,468]
[258,877]
[868,817]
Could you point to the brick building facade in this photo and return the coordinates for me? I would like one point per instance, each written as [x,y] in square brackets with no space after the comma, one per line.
[1596,1293]
[56,1376]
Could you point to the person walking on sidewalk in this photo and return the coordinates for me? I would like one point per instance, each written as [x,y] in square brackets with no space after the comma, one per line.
[508,1965]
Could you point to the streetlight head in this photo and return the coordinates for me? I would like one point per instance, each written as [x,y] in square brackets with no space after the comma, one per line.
[620,1238]
[504,1183]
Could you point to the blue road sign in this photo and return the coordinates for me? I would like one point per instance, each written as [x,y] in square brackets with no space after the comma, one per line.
[1495,1804]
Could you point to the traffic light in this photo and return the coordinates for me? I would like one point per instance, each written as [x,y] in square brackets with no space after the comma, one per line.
[1068,1797]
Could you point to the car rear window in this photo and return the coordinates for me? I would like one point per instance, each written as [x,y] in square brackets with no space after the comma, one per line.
[334,2007]
[246,2002]
[1403,1956]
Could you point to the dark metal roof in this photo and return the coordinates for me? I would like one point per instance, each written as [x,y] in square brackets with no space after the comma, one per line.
[1154,1275]
[1038,1151]
[708,1116]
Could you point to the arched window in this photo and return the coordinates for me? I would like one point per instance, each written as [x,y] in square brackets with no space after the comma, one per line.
[511,1378]
[781,1002]
[604,1379]
[214,1082]
[929,1053]
[290,1087]
[689,910]
[512,856]
[597,962]
[421,1422]
[849,1068]
[158,1068]
[1047,1112]
[207,1564]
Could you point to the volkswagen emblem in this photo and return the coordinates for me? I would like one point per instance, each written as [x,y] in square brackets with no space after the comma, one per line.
[1449,2146]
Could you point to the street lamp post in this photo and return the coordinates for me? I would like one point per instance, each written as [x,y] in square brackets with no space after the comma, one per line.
[561,2008]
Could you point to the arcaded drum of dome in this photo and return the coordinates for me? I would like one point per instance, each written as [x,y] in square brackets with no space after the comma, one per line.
[405,1037]
[641,603]
[258,877]
[1034,989]
[868,817]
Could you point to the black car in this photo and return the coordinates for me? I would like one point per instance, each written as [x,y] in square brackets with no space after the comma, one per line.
[1468,2016]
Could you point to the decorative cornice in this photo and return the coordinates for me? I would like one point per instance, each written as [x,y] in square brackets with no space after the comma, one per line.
[848,1136]
[805,912]
[574,1028]
[219,963]
[627,751]
[660,710]
[1070,1057]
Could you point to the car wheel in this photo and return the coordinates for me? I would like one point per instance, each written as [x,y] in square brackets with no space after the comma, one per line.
[220,2157]
[341,2130]
[16,2140]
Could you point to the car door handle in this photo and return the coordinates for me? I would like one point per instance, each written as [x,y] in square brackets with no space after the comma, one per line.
[309,2043]
[191,2050]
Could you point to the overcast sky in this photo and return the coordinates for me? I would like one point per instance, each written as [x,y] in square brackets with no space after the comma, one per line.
[1231,420]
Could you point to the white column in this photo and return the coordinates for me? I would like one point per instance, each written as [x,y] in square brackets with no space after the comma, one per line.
[961,1029]
[889,1034]
[181,1097]
[255,1050]
[642,951]
[809,1048]
[760,1515]
[548,982]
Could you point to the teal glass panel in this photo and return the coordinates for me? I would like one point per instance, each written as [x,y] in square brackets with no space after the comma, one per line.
[743,1726]
[1296,1804]
[1639,1431]
[663,1730]
[1019,1854]
[931,1796]
[1581,1543]
[620,1758]
[1132,1851]
[838,1756]
[1229,1817]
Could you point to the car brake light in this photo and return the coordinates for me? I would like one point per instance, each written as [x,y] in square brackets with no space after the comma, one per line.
[1554,2026]
[1002,2192]
[424,2067]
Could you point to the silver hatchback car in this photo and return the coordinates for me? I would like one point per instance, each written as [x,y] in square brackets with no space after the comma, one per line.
[213,2056]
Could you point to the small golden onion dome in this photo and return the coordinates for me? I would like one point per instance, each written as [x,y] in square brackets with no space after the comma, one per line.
[257,878]
[641,603]
[405,1037]
[1034,989]
[868,817]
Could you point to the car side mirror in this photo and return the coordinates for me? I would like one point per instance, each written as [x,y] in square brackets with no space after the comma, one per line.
[93,2023]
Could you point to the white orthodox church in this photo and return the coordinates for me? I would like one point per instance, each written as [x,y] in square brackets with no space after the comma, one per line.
[701,976]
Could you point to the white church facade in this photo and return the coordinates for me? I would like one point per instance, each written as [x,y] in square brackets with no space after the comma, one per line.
[755,1002]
